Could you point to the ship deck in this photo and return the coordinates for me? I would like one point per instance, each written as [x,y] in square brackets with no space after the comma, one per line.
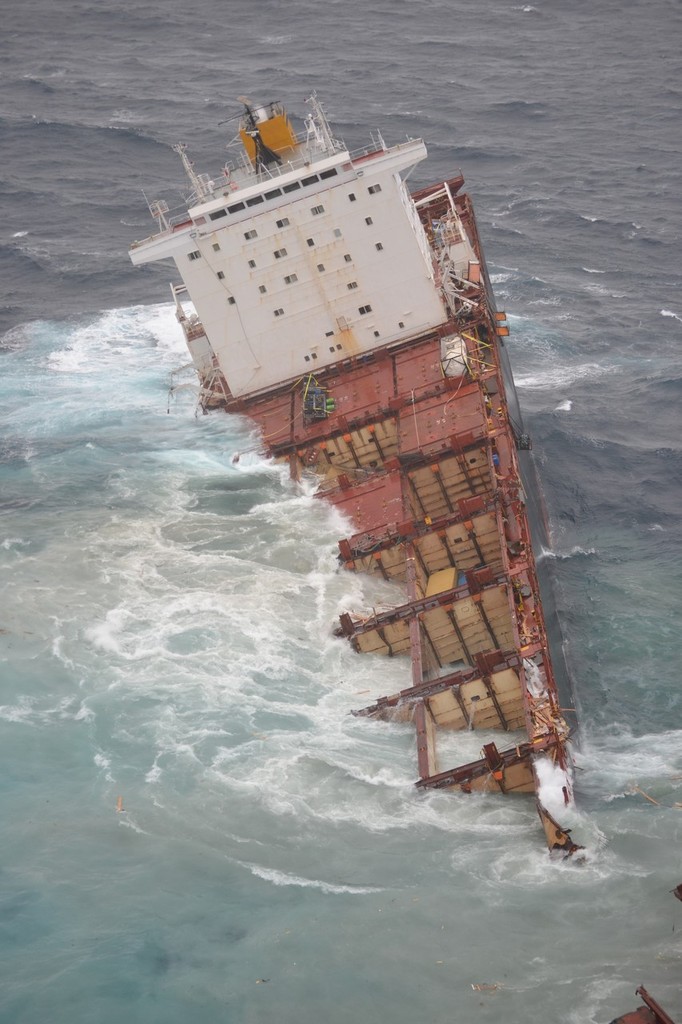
[424,467]
[415,444]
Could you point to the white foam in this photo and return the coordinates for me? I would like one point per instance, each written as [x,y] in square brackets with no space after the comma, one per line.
[22,712]
[103,762]
[125,115]
[575,551]
[154,774]
[591,270]
[617,760]
[125,821]
[14,542]
[670,313]
[561,376]
[115,337]
[564,406]
[553,780]
[58,651]
[281,878]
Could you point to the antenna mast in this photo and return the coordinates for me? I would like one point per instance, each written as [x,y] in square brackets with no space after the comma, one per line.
[197,184]
[318,125]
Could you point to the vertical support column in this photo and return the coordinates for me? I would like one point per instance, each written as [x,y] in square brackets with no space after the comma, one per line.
[427,764]
[415,628]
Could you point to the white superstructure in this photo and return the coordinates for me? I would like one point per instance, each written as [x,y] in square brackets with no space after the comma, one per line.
[307,256]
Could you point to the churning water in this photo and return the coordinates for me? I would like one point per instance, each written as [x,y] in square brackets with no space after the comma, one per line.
[167,611]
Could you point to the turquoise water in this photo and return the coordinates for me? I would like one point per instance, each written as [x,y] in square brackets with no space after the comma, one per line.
[166,616]
[167,631]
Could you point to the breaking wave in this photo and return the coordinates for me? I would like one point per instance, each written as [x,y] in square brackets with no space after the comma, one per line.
[281,878]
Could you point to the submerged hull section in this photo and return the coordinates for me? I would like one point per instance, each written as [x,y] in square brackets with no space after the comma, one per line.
[650,1013]
[415,435]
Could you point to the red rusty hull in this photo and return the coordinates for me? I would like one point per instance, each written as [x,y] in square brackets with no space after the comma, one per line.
[651,1013]
[423,463]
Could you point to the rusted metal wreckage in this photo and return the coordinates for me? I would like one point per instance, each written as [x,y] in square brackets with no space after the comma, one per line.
[411,425]
[651,1013]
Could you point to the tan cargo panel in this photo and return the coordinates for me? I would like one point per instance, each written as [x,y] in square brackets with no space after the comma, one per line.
[441,639]
[459,476]
[437,552]
[517,779]
[364,445]
[476,708]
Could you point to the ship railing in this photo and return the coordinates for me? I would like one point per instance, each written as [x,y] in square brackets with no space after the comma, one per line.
[179,221]
[233,179]
[308,151]
[303,153]
[171,224]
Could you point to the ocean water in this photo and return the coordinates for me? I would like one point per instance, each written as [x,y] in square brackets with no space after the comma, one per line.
[167,611]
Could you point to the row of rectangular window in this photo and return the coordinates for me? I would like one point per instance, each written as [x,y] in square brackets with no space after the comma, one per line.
[274,193]
[278,254]
[372,189]
[252,233]
[292,279]
[362,310]
[289,279]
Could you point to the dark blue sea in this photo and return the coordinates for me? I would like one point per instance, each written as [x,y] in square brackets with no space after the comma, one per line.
[166,613]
